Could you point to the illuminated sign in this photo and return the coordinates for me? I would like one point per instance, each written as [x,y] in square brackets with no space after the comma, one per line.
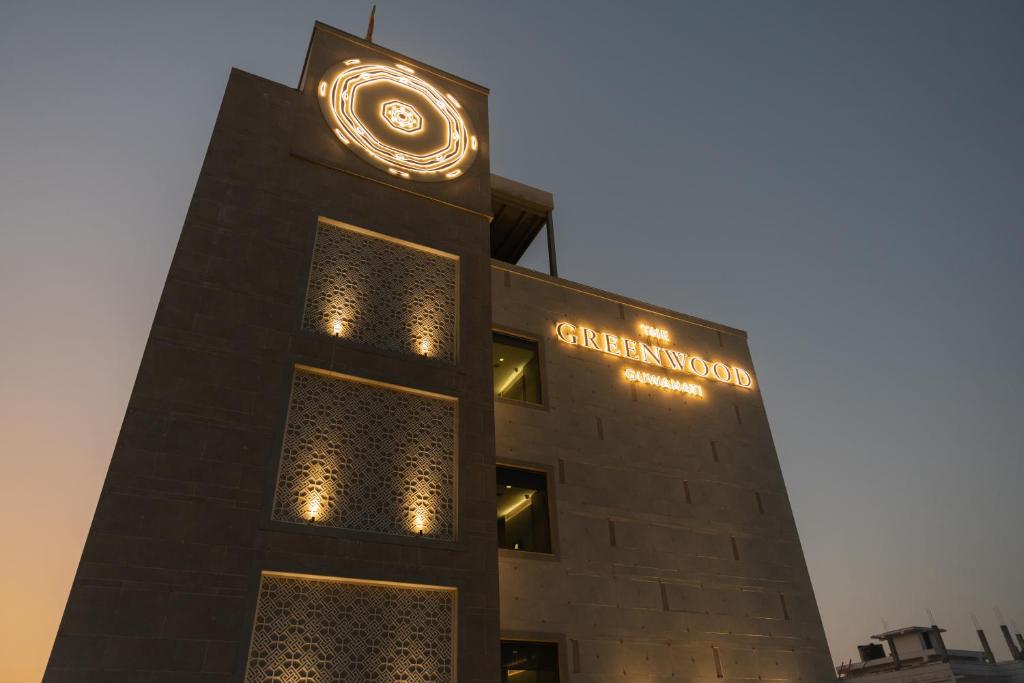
[397,121]
[663,382]
[650,353]
[654,332]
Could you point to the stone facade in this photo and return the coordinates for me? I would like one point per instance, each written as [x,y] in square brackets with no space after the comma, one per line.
[211,556]
[678,557]
[168,581]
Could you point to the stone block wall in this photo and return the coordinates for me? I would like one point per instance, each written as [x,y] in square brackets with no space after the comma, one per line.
[678,557]
[183,533]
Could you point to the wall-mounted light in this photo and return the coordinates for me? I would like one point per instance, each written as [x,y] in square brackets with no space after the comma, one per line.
[424,346]
[336,328]
[314,509]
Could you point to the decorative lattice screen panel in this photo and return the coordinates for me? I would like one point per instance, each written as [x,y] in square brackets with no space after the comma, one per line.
[366,456]
[322,630]
[383,293]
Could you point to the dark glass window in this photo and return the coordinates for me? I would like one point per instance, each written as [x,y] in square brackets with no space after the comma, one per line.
[526,662]
[516,368]
[927,638]
[523,510]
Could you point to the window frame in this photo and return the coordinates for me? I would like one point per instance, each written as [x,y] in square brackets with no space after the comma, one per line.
[541,367]
[558,639]
[548,472]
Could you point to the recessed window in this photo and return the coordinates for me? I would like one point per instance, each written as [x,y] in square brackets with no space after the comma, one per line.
[516,368]
[523,510]
[528,662]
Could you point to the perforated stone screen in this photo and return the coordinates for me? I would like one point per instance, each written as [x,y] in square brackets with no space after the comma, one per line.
[367,456]
[322,630]
[384,293]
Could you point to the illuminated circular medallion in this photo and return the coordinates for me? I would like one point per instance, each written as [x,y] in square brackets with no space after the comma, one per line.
[397,121]
[402,117]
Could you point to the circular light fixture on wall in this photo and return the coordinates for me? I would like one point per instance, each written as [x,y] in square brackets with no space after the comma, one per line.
[397,121]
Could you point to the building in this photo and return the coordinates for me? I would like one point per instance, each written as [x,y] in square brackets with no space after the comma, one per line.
[918,654]
[364,445]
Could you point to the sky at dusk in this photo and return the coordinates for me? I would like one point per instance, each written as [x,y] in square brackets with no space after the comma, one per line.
[845,181]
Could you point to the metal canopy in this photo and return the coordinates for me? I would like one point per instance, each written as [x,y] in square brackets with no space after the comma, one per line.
[520,212]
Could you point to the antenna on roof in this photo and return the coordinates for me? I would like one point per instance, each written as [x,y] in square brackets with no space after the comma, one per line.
[369,27]
[1011,646]
[989,657]
[939,641]
[1020,637]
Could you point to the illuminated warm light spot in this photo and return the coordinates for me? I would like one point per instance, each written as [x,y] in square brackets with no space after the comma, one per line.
[721,372]
[663,382]
[416,132]
[339,470]
[417,300]
[315,629]
[424,346]
[402,116]
[655,332]
[566,332]
[314,508]
[513,378]
[697,366]
[515,506]
[631,346]
[649,353]
[322,89]
[611,344]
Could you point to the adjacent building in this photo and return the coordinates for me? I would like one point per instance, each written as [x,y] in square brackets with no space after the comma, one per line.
[365,445]
[918,654]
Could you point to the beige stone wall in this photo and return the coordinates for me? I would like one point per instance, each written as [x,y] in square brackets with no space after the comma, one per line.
[655,496]
[183,532]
